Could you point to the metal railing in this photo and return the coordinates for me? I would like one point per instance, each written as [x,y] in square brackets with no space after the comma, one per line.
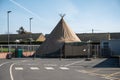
[25,48]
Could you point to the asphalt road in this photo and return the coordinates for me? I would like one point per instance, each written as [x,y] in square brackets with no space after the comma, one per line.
[55,69]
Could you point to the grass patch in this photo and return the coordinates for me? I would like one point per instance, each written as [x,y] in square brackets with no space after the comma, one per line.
[6,50]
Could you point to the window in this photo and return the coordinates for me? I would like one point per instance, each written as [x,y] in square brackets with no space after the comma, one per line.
[106,45]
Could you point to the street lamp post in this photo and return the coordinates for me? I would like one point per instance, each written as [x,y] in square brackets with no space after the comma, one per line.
[30,23]
[8,30]
[30,34]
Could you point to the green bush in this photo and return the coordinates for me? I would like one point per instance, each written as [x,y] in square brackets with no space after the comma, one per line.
[6,50]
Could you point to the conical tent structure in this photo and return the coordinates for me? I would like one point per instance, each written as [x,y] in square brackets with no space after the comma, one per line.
[61,34]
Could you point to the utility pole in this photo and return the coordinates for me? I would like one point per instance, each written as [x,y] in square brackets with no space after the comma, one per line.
[30,34]
[8,30]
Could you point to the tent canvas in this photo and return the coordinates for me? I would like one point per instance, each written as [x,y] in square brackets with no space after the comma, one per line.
[61,34]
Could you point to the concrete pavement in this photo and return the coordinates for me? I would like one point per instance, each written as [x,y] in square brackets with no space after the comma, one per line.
[55,69]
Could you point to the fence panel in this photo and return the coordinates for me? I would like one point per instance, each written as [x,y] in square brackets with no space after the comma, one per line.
[26,48]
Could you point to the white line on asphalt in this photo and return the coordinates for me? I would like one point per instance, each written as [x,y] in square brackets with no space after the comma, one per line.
[18,68]
[74,63]
[34,68]
[24,60]
[88,72]
[95,74]
[10,70]
[64,68]
[111,78]
[49,68]
[114,74]
[4,63]
[11,75]
[82,71]
[31,64]
[50,65]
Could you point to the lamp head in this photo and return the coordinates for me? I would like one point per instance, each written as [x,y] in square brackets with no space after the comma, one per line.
[9,11]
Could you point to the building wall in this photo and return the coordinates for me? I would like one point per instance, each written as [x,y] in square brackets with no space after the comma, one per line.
[110,48]
[115,47]
[73,50]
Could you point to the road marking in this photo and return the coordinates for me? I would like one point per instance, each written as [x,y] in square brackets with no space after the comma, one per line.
[18,68]
[49,68]
[4,63]
[50,65]
[82,71]
[64,68]
[95,74]
[92,71]
[11,75]
[10,69]
[34,68]
[24,60]
[31,64]
[113,74]
[74,63]
[111,78]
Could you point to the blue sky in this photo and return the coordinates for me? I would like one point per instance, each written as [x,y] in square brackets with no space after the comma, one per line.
[81,15]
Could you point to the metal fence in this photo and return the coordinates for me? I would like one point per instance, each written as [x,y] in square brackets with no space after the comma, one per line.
[12,47]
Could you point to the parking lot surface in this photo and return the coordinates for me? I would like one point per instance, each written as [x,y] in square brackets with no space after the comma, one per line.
[59,69]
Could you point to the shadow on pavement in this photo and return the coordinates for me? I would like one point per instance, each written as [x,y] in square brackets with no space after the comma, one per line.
[108,63]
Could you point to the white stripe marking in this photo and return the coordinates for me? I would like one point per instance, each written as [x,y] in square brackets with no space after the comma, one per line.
[50,65]
[49,68]
[31,64]
[24,60]
[10,70]
[11,75]
[64,68]
[18,68]
[34,68]
[84,71]
[4,63]
[74,63]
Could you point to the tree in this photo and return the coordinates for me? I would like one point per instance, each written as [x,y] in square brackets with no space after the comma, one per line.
[22,31]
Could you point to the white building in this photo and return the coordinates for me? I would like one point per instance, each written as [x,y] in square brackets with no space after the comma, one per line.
[110,48]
